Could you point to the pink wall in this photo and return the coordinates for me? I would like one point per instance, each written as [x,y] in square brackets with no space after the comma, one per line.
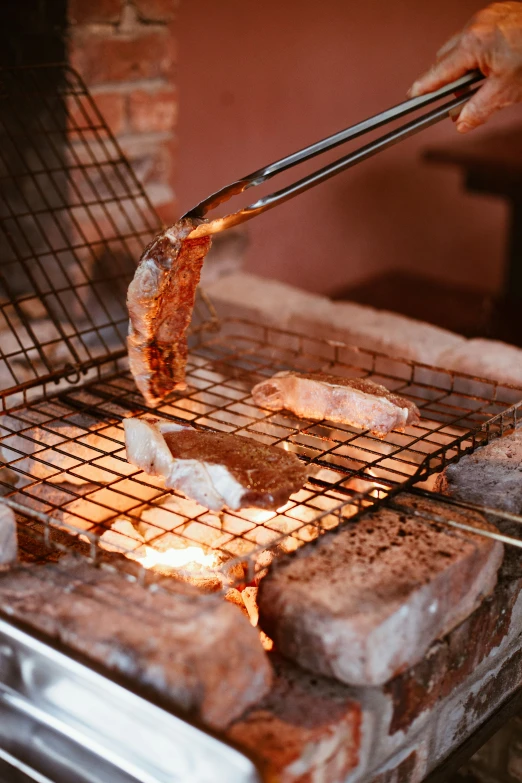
[260,79]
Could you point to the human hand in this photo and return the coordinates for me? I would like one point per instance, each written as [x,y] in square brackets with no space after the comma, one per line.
[492,43]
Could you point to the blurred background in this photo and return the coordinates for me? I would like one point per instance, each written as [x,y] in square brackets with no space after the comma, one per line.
[200,92]
[259,80]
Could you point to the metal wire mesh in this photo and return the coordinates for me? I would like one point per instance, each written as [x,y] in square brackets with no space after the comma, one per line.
[73,222]
[68,450]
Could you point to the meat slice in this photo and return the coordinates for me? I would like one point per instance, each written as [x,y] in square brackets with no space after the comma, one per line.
[356,401]
[160,301]
[214,468]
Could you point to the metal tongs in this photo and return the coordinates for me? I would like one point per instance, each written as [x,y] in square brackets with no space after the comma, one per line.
[464,89]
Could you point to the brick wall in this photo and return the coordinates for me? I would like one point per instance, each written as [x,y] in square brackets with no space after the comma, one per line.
[125,50]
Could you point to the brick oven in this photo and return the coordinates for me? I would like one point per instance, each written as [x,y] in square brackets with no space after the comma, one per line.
[368,630]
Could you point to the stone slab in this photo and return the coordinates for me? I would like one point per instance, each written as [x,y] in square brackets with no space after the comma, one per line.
[196,651]
[366,603]
[491,476]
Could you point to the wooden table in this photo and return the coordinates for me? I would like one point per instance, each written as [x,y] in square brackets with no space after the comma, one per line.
[493,165]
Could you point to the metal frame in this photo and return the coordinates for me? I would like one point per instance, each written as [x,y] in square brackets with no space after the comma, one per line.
[459,88]
[73,221]
[51,711]
[56,443]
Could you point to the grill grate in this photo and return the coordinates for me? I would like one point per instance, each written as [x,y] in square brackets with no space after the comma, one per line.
[73,221]
[78,478]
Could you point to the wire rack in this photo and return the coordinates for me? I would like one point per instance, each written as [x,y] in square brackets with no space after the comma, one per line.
[73,221]
[68,450]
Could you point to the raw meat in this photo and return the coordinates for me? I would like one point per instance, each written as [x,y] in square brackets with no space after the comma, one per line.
[214,468]
[160,301]
[357,401]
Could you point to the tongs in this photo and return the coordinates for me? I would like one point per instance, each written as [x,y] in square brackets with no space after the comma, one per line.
[462,89]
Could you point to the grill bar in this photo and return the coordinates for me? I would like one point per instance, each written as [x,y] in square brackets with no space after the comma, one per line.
[73,221]
[78,478]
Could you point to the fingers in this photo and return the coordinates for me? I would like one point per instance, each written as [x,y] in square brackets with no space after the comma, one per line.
[448,46]
[452,66]
[491,97]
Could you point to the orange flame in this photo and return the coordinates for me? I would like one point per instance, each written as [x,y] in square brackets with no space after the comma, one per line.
[178,558]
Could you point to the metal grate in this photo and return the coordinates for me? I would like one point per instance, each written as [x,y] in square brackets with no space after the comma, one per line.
[69,457]
[73,221]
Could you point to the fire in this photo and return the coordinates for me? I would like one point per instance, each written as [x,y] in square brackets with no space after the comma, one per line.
[178,558]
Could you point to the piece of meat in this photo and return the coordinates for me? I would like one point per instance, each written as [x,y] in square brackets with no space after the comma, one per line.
[160,301]
[216,469]
[356,401]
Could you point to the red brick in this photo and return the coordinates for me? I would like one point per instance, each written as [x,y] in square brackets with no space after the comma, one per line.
[196,651]
[112,58]
[307,729]
[492,693]
[92,11]
[156,10]
[415,583]
[111,106]
[451,661]
[152,161]
[153,111]
[82,115]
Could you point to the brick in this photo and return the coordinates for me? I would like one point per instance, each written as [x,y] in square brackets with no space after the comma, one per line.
[156,10]
[111,106]
[369,600]
[404,772]
[450,662]
[486,359]
[250,296]
[307,728]
[196,651]
[83,121]
[112,58]
[94,11]
[152,159]
[153,111]
[466,710]
[152,163]
[491,476]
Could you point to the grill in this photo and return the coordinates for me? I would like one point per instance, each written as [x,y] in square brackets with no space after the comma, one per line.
[76,435]
[73,220]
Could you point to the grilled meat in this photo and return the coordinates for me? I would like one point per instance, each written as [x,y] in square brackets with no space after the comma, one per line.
[357,402]
[216,469]
[160,301]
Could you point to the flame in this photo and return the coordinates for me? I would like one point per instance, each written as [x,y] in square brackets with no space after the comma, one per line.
[260,516]
[178,558]
[376,486]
